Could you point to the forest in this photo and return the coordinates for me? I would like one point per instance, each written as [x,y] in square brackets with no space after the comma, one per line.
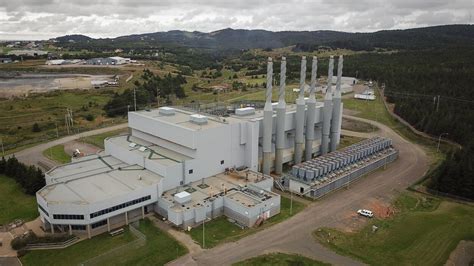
[150,90]
[433,91]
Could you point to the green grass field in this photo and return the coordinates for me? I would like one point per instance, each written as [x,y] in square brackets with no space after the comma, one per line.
[77,253]
[57,153]
[280,259]
[160,248]
[348,140]
[98,140]
[220,230]
[48,110]
[424,231]
[14,204]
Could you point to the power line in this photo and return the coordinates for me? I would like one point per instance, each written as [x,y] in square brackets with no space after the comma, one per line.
[408,95]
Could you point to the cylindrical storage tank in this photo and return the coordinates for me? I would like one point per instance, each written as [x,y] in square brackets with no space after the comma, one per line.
[316,172]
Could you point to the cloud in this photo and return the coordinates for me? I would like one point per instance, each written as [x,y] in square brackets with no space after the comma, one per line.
[40,19]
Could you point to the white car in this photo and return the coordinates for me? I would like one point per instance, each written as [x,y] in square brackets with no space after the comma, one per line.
[365,213]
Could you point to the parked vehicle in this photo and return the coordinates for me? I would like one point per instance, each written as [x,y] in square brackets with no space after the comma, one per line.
[365,213]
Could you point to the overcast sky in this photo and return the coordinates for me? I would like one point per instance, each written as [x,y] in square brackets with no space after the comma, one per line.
[43,19]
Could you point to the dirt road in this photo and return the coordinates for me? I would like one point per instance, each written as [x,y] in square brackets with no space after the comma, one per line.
[295,235]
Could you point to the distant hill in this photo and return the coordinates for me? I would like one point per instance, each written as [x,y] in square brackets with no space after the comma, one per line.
[73,38]
[418,38]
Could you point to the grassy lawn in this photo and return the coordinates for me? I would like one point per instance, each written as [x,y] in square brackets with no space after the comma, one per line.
[57,153]
[357,126]
[98,140]
[17,116]
[280,259]
[220,230]
[14,204]
[423,232]
[348,140]
[159,249]
[77,253]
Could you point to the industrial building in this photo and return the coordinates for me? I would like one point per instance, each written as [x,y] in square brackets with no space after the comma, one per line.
[115,60]
[317,177]
[190,166]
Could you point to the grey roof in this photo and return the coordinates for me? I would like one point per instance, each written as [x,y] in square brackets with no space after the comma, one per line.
[95,179]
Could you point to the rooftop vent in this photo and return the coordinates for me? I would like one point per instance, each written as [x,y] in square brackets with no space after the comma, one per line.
[142,149]
[182,197]
[132,145]
[198,119]
[245,111]
[166,111]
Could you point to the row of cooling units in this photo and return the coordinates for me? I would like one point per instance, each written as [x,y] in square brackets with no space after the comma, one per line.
[322,166]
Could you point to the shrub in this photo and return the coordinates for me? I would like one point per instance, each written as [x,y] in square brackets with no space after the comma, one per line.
[36,127]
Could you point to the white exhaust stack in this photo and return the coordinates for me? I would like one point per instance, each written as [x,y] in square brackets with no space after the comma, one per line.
[280,126]
[300,109]
[311,117]
[336,110]
[327,110]
[268,121]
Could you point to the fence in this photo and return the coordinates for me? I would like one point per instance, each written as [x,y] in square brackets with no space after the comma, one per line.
[57,245]
[139,242]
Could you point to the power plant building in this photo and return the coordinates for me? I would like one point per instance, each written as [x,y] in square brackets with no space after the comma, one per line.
[188,166]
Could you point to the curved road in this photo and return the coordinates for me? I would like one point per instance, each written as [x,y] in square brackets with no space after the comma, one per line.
[295,235]
[34,155]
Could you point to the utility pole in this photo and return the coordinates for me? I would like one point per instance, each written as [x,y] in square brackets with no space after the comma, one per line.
[203,234]
[57,131]
[135,99]
[439,140]
[437,104]
[69,121]
[291,202]
[66,123]
[3,151]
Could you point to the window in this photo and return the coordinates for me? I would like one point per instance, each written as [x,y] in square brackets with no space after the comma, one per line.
[68,216]
[99,224]
[222,161]
[120,206]
[190,171]
[78,227]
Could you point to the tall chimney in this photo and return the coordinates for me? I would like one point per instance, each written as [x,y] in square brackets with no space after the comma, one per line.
[300,109]
[280,126]
[311,117]
[268,121]
[327,110]
[336,110]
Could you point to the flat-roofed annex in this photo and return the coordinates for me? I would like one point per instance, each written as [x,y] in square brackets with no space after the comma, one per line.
[103,184]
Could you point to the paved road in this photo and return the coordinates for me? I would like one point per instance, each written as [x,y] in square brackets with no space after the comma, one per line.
[34,155]
[294,235]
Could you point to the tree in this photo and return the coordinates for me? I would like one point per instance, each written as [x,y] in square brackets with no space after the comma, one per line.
[36,128]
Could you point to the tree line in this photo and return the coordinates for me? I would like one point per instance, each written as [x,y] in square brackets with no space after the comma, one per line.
[30,178]
[151,89]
